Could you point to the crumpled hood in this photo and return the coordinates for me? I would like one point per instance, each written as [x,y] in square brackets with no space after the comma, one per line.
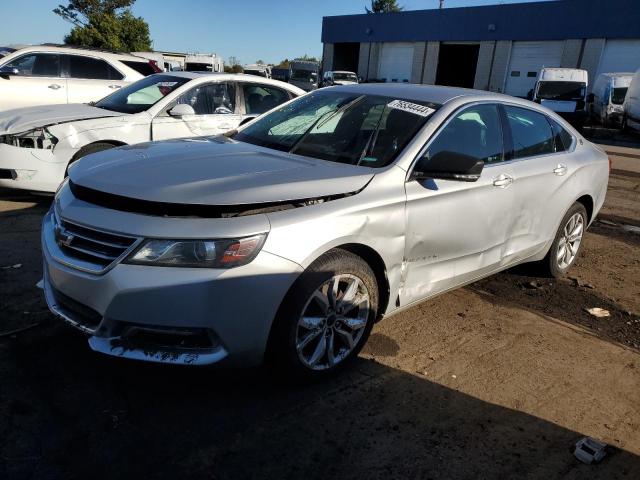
[23,119]
[214,171]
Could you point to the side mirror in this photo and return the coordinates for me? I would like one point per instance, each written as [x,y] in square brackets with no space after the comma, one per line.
[448,165]
[590,98]
[181,110]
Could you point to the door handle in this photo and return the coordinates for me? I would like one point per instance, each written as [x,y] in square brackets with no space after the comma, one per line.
[560,169]
[114,87]
[503,180]
[55,86]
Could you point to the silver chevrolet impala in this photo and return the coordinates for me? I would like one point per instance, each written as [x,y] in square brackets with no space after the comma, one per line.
[288,239]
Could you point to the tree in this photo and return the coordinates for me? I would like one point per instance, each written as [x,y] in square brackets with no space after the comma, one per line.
[384,6]
[107,24]
[307,58]
[259,62]
[283,64]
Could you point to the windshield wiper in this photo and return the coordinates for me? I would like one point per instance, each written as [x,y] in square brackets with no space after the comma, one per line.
[331,114]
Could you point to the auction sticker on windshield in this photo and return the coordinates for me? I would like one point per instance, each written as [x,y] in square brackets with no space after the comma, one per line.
[409,107]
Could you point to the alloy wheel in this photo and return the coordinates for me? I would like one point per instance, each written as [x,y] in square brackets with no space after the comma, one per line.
[570,241]
[333,322]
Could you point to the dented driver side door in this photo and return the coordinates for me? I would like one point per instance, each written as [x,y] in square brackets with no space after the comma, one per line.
[457,231]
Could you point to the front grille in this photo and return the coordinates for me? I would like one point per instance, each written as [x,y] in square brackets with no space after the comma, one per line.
[90,245]
[77,312]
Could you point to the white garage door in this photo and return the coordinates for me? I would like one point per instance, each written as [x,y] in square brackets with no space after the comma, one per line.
[396,60]
[527,58]
[620,56]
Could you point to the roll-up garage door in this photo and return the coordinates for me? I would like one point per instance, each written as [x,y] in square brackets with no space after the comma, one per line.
[527,58]
[619,56]
[396,60]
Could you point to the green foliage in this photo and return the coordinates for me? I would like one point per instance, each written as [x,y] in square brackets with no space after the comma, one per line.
[384,6]
[283,64]
[107,24]
[307,58]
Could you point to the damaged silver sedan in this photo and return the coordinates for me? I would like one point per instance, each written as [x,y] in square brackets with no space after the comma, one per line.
[288,239]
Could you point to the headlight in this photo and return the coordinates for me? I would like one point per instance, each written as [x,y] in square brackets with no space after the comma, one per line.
[225,253]
[616,109]
[39,138]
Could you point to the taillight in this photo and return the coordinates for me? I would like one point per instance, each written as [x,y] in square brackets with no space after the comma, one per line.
[155,66]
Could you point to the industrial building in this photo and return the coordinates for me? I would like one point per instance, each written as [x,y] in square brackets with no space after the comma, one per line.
[498,47]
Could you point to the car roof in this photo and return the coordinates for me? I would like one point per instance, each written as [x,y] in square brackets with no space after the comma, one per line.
[422,93]
[79,50]
[235,77]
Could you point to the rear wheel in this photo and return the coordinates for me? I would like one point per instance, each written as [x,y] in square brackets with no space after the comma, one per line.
[327,316]
[567,243]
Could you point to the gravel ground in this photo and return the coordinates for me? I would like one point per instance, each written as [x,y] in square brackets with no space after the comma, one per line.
[496,380]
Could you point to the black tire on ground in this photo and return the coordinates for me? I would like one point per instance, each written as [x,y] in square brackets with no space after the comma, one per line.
[88,149]
[549,264]
[281,351]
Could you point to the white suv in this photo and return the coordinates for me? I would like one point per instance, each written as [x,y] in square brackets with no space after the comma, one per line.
[46,75]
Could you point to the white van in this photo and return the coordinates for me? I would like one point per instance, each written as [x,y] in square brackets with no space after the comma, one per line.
[607,98]
[563,90]
[631,119]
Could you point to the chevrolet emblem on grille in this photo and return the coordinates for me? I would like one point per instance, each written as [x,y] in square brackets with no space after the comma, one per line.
[63,238]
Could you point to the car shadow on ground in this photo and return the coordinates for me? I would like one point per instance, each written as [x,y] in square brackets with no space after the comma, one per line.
[67,412]
[70,413]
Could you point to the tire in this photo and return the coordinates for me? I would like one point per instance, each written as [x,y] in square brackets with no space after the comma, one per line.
[554,264]
[300,348]
[86,150]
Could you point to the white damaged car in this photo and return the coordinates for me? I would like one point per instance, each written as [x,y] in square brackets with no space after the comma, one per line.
[37,144]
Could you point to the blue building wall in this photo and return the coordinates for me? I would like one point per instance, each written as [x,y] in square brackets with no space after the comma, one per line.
[555,20]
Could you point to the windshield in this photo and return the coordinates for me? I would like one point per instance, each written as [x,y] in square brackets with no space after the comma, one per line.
[141,95]
[341,127]
[561,90]
[307,75]
[618,94]
[349,77]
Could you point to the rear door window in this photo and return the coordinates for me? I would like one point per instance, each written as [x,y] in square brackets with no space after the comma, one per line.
[262,98]
[530,132]
[37,65]
[91,68]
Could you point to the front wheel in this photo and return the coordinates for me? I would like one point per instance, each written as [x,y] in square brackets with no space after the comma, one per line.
[567,242]
[327,316]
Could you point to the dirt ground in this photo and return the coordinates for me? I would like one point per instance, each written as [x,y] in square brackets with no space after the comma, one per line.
[496,380]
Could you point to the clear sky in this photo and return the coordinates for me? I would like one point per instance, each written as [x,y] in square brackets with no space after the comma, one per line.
[268,30]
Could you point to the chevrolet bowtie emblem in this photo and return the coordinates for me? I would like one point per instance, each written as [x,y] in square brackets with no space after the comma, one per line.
[63,238]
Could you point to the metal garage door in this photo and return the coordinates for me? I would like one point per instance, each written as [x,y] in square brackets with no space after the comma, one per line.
[396,60]
[619,56]
[527,58]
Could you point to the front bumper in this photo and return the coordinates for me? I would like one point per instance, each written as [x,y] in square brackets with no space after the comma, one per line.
[31,168]
[232,308]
